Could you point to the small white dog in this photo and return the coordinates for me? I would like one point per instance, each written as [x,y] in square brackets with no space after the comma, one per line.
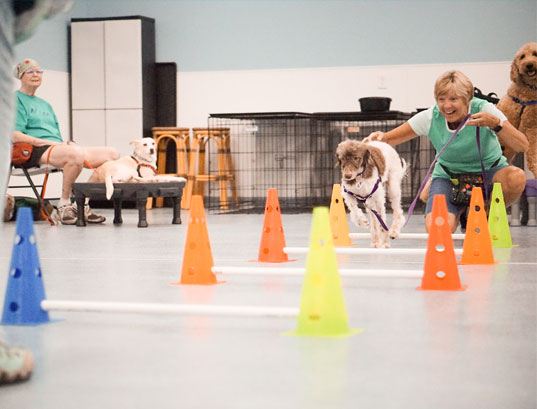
[366,169]
[139,167]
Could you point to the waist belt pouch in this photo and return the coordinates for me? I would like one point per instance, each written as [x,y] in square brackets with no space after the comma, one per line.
[462,185]
[21,153]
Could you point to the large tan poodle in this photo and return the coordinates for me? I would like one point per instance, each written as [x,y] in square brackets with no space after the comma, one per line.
[520,103]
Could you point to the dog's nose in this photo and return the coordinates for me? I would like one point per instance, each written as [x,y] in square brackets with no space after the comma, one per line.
[347,176]
[530,66]
[151,151]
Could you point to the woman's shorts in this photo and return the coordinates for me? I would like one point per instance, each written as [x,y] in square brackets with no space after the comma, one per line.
[35,157]
[441,186]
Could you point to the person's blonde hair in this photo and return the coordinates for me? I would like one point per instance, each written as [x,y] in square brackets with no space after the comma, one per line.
[454,81]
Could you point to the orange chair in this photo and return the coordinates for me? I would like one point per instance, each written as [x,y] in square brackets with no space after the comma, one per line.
[180,137]
[197,175]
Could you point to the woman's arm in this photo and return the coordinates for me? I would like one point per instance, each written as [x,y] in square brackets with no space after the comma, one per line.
[394,137]
[22,137]
[509,136]
[512,138]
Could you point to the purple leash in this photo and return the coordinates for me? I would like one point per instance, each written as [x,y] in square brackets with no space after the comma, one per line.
[428,175]
[483,171]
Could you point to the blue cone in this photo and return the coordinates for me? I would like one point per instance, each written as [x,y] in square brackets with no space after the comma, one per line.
[25,289]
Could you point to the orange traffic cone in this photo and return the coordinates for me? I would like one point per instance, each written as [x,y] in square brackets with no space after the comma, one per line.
[338,219]
[197,257]
[272,237]
[440,270]
[477,246]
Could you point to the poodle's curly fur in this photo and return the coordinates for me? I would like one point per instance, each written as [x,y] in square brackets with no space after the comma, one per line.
[514,105]
[362,165]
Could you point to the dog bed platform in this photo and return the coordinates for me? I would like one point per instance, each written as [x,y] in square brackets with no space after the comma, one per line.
[129,191]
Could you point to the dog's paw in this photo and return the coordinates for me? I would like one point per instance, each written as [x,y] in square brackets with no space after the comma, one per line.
[385,245]
[360,221]
[394,233]
[379,244]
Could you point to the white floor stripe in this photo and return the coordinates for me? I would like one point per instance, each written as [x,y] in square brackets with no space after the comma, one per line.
[455,236]
[168,309]
[286,271]
[366,251]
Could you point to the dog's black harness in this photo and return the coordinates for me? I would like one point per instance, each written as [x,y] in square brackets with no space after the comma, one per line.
[523,103]
[147,165]
[362,199]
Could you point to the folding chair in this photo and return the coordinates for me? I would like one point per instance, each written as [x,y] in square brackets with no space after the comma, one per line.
[28,173]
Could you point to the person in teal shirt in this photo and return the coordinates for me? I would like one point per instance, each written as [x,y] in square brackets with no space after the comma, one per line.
[36,123]
[454,95]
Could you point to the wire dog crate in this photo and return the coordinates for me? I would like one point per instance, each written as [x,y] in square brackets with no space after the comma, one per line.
[294,152]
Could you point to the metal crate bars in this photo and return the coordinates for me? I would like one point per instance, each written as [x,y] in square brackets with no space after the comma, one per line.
[294,152]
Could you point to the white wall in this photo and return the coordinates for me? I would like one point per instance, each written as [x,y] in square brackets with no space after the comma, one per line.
[302,90]
[321,89]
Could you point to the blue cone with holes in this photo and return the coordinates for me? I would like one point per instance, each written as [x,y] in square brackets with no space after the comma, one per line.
[25,289]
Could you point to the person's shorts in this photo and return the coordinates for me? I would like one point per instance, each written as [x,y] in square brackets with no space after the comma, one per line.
[441,186]
[35,157]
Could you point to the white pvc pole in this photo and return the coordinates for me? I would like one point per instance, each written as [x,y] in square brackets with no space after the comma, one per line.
[286,271]
[365,251]
[168,309]
[455,236]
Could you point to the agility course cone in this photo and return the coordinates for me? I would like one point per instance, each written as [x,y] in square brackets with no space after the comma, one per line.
[498,222]
[25,289]
[272,237]
[322,307]
[338,219]
[440,271]
[197,257]
[477,246]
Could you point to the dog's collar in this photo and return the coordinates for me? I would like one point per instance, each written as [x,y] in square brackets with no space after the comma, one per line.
[363,199]
[147,165]
[523,103]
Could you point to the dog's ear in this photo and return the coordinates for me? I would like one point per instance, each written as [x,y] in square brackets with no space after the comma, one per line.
[365,158]
[514,70]
[378,159]
[338,161]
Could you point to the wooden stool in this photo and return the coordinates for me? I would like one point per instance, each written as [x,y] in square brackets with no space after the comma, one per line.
[163,136]
[197,175]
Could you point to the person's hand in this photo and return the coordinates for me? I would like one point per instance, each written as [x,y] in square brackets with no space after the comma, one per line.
[484,119]
[374,136]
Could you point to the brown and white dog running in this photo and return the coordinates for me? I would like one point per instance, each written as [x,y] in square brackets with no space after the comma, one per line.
[139,167]
[367,169]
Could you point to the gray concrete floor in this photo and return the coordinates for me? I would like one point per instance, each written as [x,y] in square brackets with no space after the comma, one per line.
[470,349]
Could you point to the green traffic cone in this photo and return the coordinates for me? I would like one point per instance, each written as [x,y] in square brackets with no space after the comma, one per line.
[322,306]
[498,222]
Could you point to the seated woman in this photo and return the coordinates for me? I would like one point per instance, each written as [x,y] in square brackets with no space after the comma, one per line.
[453,92]
[36,123]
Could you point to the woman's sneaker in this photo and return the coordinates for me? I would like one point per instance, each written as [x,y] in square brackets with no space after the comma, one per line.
[92,217]
[16,364]
[67,214]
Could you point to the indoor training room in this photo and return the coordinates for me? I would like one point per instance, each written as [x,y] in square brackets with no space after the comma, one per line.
[268,204]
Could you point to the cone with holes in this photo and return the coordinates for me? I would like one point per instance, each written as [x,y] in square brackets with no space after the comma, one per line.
[498,222]
[197,257]
[322,307]
[477,246]
[338,219]
[440,271]
[272,237]
[25,289]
